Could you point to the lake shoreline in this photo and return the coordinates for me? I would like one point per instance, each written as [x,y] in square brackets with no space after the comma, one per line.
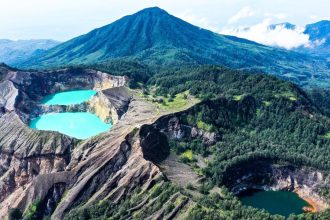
[281,202]
[315,204]
[312,206]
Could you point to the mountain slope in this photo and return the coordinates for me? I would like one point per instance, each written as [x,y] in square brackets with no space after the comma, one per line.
[12,52]
[153,36]
[319,33]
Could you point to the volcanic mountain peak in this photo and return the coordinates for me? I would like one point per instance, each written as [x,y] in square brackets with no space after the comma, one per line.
[152,10]
[154,37]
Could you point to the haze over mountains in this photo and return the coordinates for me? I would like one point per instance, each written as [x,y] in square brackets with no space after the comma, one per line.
[318,34]
[13,52]
[313,38]
[154,37]
[285,25]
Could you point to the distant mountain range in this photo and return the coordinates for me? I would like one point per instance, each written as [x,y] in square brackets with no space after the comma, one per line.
[286,25]
[154,37]
[319,37]
[13,52]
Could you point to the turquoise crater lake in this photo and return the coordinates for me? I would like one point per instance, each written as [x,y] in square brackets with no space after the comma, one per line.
[68,97]
[80,125]
[275,202]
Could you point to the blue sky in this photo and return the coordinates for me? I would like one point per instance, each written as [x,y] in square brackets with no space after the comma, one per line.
[65,19]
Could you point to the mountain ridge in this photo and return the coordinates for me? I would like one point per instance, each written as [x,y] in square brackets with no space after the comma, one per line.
[12,52]
[319,33]
[154,37]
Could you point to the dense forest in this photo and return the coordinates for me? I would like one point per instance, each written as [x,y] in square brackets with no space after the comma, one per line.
[258,117]
[261,109]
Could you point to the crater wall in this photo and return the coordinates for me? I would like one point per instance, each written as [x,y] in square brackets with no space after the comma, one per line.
[307,182]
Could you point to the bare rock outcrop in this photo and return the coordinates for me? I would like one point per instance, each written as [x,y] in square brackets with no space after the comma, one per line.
[174,128]
[8,94]
[110,104]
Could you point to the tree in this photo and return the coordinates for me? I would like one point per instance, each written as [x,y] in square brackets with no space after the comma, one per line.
[15,214]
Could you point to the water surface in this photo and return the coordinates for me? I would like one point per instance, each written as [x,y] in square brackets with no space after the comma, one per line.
[68,97]
[275,202]
[81,125]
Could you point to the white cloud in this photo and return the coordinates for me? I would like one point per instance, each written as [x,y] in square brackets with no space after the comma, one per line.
[280,16]
[313,17]
[243,13]
[280,36]
[315,43]
[203,22]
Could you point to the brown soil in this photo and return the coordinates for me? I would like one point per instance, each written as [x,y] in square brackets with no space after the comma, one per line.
[313,206]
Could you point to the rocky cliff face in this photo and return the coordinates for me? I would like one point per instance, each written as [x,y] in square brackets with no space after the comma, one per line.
[154,138]
[174,128]
[63,173]
[33,163]
[307,182]
[33,86]
[110,104]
